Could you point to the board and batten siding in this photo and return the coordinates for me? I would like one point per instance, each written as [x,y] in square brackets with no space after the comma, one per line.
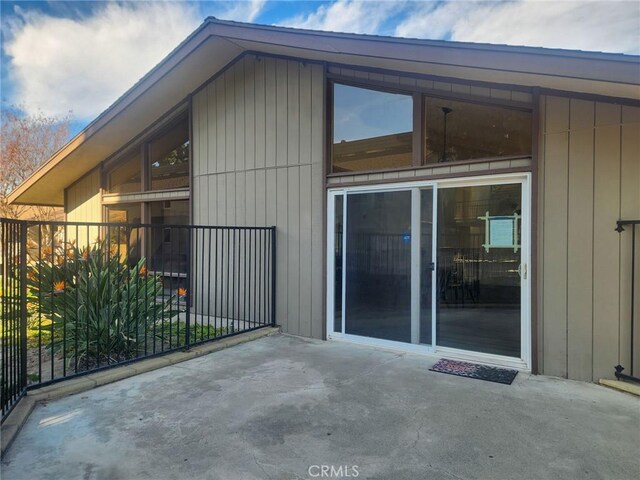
[83,203]
[83,200]
[589,177]
[257,161]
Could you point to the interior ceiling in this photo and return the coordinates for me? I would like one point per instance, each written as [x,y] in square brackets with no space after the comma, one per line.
[216,44]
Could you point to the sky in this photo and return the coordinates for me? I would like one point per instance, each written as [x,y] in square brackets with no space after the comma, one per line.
[76,58]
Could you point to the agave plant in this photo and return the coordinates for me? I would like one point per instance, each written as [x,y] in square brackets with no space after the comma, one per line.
[98,307]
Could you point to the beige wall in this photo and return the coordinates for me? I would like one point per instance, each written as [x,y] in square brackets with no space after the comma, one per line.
[83,203]
[589,177]
[257,150]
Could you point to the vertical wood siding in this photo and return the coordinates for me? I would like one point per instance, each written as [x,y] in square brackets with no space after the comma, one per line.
[258,152]
[84,204]
[589,178]
[83,199]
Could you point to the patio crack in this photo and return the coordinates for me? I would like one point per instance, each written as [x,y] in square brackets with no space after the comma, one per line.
[261,466]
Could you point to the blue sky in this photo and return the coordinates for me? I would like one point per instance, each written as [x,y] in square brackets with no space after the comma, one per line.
[75,58]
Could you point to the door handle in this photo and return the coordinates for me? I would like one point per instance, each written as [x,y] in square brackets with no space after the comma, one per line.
[522,271]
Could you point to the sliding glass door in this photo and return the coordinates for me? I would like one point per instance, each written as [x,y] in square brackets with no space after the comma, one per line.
[378,265]
[479,268]
[382,264]
[431,265]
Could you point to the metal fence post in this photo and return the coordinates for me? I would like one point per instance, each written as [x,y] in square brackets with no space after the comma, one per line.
[273,276]
[23,304]
[619,368]
[189,286]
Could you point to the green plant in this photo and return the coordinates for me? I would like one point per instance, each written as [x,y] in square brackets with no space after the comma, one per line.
[92,305]
[174,333]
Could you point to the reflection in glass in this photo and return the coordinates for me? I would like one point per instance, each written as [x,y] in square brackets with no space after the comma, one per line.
[378,263]
[169,158]
[464,131]
[124,240]
[478,290]
[337,302]
[372,130]
[169,246]
[125,176]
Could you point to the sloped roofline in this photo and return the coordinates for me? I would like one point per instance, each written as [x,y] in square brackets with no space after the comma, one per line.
[494,47]
[213,27]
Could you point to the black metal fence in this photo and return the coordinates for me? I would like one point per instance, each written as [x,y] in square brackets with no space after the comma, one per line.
[80,297]
[13,371]
[620,227]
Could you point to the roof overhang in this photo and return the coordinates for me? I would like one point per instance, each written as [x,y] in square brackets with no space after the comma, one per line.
[217,43]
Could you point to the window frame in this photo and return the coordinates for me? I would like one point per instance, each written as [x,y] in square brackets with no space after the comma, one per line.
[143,144]
[419,96]
[180,113]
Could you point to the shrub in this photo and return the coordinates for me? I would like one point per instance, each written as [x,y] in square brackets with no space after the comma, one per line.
[98,308]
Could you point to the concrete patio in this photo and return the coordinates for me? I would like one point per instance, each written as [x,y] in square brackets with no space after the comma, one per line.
[274,407]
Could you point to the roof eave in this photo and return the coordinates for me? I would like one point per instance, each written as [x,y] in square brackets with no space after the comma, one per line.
[614,68]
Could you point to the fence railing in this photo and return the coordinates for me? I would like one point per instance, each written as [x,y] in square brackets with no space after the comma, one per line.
[13,371]
[620,227]
[80,297]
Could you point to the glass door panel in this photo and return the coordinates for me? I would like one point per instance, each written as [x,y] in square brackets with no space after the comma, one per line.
[479,257]
[426,265]
[430,265]
[337,262]
[378,265]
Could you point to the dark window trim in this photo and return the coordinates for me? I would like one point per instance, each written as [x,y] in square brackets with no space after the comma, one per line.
[143,144]
[418,97]
[330,82]
[160,126]
[387,87]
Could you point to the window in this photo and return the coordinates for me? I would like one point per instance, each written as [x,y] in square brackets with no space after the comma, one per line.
[124,240]
[153,166]
[464,131]
[169,159]
[124,213]
[165,165]
[372,130]
[168,247]
[125,177]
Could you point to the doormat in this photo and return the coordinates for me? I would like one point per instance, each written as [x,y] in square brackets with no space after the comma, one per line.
[473,370]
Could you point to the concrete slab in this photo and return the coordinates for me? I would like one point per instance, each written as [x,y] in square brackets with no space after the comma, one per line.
[283,407]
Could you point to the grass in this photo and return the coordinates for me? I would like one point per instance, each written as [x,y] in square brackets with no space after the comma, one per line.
[178,329]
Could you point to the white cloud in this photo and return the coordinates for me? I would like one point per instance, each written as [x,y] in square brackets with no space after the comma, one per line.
[346,16]
[83,65]
[240,11]
[586,25]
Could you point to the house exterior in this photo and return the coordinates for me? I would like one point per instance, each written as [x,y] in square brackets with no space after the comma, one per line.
[429,196]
